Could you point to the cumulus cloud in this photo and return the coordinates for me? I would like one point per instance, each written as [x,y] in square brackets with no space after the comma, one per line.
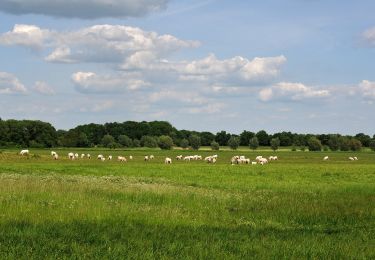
[292,91]
[43,88]
[369,36]
[10,84]
[89,82]
[98,43]
[367,89]
[85,9]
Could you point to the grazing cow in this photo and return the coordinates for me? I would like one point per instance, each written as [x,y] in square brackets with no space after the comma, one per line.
[53,153]
[187,158]
[109,157]
[253,163]
[258,157]
[168,160]
[179,157]
[355,158]
[151,157]
[71,156]
[88,156]
[147,158]
[351,158]
[325,158]
[121,158]
[24,152]
[76,155]
[263,161]
[100,157]
[83,156]
[55,156]
[130,157]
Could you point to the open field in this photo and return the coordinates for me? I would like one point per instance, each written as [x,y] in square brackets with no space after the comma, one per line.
[297,207]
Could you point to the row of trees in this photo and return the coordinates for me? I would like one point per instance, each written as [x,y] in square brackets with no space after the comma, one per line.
[28,133]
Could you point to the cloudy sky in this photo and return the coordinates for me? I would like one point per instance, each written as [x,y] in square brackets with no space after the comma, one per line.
[297,65]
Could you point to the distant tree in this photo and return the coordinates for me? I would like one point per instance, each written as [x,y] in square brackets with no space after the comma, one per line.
[149,141]
[184,143]
[344,143]
[275,143]
[113,145]
[263,138]
[245,137]
[107,140]
[372,144]
[234,142]
[125,140]
[314,144]
[334,142]
[215,146]
[355,145]
[82,140]
[206,138]
[136,143]
[195,142]
[303,148]
[364,139]
[165,142]
[222,138]
[254,143]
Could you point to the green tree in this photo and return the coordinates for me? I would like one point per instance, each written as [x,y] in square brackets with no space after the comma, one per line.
[222,138]
[215,146]
[263,138]
[234,142]
[107,140]
[372,144]
[314,144]
[344,143]
[149,141]
[275,143]
[364,139]
[334,142]
[195,142]
[245,137]
[355,145]
[254,143]
[184,143]
[136,143]
[125,140]
[165,142]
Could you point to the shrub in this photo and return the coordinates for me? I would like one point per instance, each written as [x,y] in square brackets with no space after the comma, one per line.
[165,142]
[303,148]
[125,141]
[195,142]
[334,142]
[184,143]
[344,143]
[294,148]
[113,145]
[149,141]
[314,144]
[325,148]
[215,146]
[372,144]
[107,140]
[355,145]
[136,143]
[234,142]
[254,143]
[275,143]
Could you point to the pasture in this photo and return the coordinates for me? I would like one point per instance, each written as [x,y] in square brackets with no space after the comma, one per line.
[297,207]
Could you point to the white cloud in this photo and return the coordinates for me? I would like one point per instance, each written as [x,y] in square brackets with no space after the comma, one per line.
[89,82]
[43,88]
[367,89]
[30,36]
[292,91]
[369,36]
[10,84]
[86,9]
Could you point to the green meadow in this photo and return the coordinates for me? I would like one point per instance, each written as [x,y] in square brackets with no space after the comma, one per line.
[295,208]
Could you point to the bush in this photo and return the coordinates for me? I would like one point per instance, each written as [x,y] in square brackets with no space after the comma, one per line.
[294,148]
[344,143]
[334,142]
[34,144]
[165,142]
[355,145]
[215,146]
[136,143]
[303,148]
[275,143]
[234,142]
[254,143]
[314,144]
[195,142]
[125,141]
[184,143]
[325,148]
[149,141]
[372,144]
[107,140]
[113,145]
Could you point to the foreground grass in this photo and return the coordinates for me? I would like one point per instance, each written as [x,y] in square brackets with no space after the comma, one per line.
[298,207]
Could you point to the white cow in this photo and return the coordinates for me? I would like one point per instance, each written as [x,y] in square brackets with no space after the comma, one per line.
[53,153]
[109,157]
[130,157]
[55,156]
[351,158]
[100,157]
[325,158]
[121,158]
[71,156]
[151,157]
[25,152]
[179,157]
[254,163]
[83,156]
[147,158]
[76,155]
[88,156]
[168,160]
[355,158]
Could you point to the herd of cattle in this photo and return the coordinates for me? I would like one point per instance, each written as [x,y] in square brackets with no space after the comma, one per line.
[238,159]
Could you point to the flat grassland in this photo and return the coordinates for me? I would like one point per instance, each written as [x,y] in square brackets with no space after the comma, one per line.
[297,207]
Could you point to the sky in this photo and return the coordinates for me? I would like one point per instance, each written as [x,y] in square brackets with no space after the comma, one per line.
[304,66]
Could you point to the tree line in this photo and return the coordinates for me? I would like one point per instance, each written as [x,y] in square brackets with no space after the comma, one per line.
[38,134]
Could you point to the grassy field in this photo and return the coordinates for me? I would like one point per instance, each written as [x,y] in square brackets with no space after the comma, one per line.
[297,207]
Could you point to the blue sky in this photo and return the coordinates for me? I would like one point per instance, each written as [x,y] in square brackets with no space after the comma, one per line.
[293,65]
